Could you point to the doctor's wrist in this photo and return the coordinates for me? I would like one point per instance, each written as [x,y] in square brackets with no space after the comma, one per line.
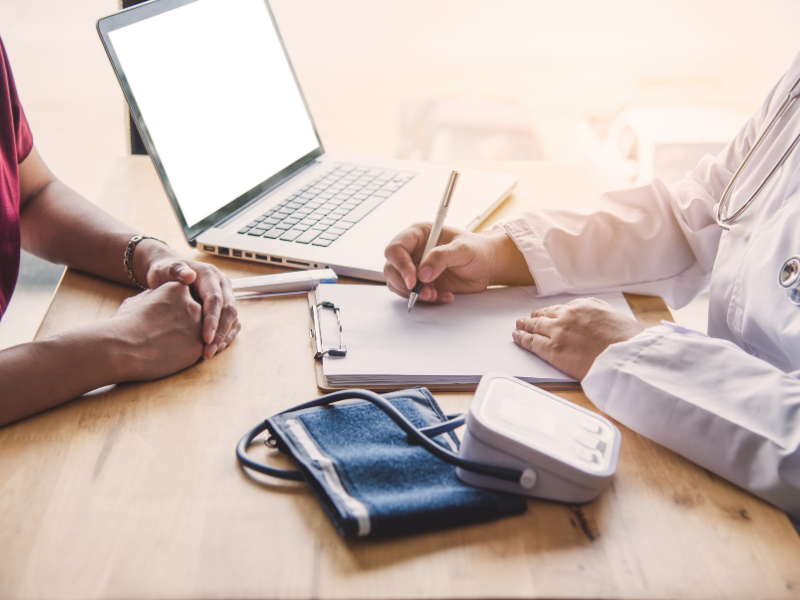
[509,266]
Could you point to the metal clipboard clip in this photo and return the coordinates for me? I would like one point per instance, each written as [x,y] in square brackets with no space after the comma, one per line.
[316,331]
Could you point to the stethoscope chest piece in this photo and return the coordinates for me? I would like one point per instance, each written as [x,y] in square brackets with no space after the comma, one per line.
[789,279]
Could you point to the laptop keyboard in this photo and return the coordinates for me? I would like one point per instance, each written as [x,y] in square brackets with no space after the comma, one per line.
[326,208]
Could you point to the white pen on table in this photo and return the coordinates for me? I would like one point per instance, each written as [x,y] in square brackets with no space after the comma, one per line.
[282,283]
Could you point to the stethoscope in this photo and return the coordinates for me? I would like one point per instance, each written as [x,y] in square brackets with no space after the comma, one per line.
[789,275]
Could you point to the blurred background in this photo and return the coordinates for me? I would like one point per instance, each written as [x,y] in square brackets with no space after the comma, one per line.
[631,89]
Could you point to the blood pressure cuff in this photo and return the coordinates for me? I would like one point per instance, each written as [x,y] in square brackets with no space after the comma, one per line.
[372,480]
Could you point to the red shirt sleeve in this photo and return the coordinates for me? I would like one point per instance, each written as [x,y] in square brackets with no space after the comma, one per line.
[23,135]
[16,143]
[22,131]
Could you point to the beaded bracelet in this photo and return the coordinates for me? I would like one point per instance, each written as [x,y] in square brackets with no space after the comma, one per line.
[128,258]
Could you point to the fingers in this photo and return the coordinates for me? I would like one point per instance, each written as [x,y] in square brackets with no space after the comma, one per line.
[533,342]
[394,280]
[400,251]
[171,270]
[219,307]
[446,297]
[212,301]
[428,292]
[536,333]
[234,331]
[228,327]
[228,317]
[455,254]
[209,291]
[195,310]
[403,253]
[213,291]
[544,326]
[399,282]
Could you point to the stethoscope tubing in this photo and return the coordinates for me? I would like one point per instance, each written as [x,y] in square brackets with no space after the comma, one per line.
[246,461]
[419,436]
[725,222]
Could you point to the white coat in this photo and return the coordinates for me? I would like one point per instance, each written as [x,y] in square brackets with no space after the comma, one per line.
[729,401]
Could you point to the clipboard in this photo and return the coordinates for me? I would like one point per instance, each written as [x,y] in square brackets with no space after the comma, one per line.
[319,349]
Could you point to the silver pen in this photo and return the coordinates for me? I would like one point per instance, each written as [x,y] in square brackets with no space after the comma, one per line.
[436,230]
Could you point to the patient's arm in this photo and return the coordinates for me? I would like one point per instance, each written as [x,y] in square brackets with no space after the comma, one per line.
[152,335]
[61,226]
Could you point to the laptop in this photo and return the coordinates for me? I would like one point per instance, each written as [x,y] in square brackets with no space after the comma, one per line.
[220,110]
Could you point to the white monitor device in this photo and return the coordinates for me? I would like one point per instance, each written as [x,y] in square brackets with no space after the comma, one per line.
[568,453]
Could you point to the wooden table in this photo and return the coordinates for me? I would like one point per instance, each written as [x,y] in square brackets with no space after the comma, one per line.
[134,492]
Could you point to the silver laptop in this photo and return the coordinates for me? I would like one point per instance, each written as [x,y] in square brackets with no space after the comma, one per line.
[220,110]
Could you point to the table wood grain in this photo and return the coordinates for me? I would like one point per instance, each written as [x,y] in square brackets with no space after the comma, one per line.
[134,491]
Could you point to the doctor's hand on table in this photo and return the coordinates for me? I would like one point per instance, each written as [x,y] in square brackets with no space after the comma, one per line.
[571,336]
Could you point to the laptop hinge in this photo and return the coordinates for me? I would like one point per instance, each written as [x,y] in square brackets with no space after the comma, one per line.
[223,222]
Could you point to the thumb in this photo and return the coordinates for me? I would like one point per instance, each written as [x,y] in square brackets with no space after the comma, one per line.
[171,270]
[444,257]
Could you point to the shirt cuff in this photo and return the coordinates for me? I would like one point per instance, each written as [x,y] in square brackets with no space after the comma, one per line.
[599,383]
[549,281]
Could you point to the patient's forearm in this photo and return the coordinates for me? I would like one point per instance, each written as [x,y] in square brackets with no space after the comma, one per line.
[61,226]
[40,375]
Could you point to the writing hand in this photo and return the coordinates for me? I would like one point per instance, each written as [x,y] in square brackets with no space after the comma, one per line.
[464,262]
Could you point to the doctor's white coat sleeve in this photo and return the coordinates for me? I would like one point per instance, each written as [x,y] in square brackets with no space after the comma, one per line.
[704,398]
[710,401]
[671,230]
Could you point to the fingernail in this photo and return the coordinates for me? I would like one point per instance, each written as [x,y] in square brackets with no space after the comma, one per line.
[519,323]
[425,294]
[425,273]
[223,346]
[410,283]
[212,350]
[448,298]
[515,334]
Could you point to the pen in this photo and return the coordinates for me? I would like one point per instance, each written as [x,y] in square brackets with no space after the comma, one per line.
[282,283]
[436,230]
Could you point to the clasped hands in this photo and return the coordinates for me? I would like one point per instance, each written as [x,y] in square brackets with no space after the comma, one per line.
[569,336]
[187,313]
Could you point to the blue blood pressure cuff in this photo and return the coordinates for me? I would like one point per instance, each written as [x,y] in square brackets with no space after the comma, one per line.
[372,480]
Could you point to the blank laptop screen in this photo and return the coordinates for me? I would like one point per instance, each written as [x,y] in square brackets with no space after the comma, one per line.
[218,98]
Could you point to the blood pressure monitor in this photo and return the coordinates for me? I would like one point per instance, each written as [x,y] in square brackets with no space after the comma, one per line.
[566,453]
